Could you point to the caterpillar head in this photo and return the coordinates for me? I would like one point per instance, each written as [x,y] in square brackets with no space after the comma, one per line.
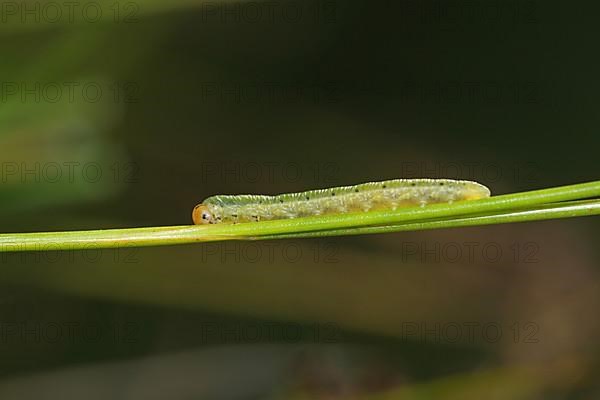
[202,215]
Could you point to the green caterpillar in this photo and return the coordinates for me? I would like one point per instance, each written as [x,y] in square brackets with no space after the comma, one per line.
[385,195]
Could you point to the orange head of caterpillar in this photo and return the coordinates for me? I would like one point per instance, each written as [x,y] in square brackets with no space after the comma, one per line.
[202,215]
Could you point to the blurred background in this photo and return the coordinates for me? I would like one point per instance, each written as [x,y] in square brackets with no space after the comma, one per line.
[128,113]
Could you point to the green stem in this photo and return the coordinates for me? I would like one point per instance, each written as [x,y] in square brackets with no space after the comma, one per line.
[526,206]
[550,211]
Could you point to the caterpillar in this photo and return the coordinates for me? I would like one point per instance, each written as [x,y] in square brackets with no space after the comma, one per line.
[385,195]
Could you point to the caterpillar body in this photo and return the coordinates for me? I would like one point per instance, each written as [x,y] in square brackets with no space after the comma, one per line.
[385,195]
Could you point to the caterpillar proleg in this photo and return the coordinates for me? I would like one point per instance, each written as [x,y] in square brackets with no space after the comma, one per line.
[385,195]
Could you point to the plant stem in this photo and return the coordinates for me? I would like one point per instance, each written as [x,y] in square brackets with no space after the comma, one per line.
[551,211]
[525,206]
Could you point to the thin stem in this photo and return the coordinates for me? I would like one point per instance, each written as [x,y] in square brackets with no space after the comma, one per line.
[526,206]
[550,211]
